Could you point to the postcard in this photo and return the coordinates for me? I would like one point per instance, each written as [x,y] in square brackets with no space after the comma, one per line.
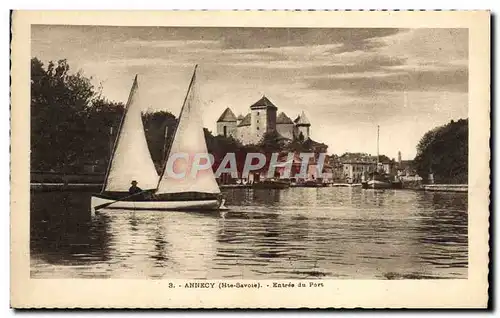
[250,159]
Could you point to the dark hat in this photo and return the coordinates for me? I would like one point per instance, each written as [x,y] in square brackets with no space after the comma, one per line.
[133,181]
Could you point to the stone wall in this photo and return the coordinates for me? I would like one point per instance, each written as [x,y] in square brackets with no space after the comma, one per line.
[230,129]
[271,120]
[244,135]
[285,130]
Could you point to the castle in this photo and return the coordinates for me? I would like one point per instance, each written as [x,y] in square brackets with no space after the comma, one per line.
[262,118]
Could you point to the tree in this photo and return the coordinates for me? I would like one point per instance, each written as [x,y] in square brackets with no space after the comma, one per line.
[101,128]
[443,151]
[159,127]
[297,145]
[59,102]
[271,142]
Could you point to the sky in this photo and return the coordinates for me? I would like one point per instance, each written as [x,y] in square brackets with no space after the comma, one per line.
[347,81]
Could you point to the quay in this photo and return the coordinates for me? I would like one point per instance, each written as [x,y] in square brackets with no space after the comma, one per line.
[446,187]
[346,185]
[59,186]
[233,186]
[65,186]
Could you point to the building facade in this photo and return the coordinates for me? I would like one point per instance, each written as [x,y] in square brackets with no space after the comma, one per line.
[356,167]
[406,170]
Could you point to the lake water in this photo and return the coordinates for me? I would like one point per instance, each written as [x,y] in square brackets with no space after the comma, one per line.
[340,233]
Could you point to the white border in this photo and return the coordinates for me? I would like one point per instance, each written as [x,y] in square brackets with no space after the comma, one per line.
[93,4]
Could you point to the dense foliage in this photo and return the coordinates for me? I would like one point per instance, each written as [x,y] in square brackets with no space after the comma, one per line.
[159,127]
[72,124]
[443,151]
[59,109]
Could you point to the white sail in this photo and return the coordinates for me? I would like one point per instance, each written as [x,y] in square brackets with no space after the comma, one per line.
[131,157]
[189,139]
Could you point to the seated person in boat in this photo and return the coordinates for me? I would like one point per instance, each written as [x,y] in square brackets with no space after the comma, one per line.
[137,193]
[134,188]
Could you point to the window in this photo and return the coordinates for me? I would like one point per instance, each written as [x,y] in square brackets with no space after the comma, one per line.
[257,128]
[257,113]
[225,131]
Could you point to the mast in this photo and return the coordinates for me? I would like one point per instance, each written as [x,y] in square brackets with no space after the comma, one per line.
[167,153]
[378,139]
[165,142]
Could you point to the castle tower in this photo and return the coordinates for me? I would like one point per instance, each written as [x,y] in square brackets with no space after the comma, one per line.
[302,126]
[284,126]
[226,124]
[399,157]
[263,118]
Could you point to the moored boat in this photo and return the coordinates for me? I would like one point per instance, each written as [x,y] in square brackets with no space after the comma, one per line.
[381,182]
[313,184]
[378,179]
[271,184]
[377,184]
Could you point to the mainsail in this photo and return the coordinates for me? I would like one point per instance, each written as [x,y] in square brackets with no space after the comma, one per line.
[131,159]
[189,138]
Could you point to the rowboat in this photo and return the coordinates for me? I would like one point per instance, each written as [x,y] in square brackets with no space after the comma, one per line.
[131,160]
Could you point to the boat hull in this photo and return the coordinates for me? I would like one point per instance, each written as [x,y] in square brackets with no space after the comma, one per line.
[156,205]
[376,184]
[271,185]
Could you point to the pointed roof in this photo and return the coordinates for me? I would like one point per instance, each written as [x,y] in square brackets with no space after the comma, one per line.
[240,117]
[227,116]
[264,102]
[283,119]
[246,121]
[302,120]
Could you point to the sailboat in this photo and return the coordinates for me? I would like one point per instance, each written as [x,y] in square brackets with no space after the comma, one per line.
[378,179]
[131,161]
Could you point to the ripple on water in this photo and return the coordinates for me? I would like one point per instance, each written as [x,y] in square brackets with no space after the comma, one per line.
[341,233]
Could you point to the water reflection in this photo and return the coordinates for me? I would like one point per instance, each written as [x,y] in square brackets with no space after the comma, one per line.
[151,244]
[291,233]
[60,234]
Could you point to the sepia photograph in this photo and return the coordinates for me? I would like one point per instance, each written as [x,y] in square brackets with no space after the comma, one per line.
[250,157]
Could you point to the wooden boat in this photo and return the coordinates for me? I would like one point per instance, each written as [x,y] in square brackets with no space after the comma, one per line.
[313,184]
[271,184]
[131,160]
[378,179]
[377,183]
[397,184]
[382,181]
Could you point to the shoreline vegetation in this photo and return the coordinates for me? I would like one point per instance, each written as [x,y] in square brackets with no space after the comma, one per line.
[73,126]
